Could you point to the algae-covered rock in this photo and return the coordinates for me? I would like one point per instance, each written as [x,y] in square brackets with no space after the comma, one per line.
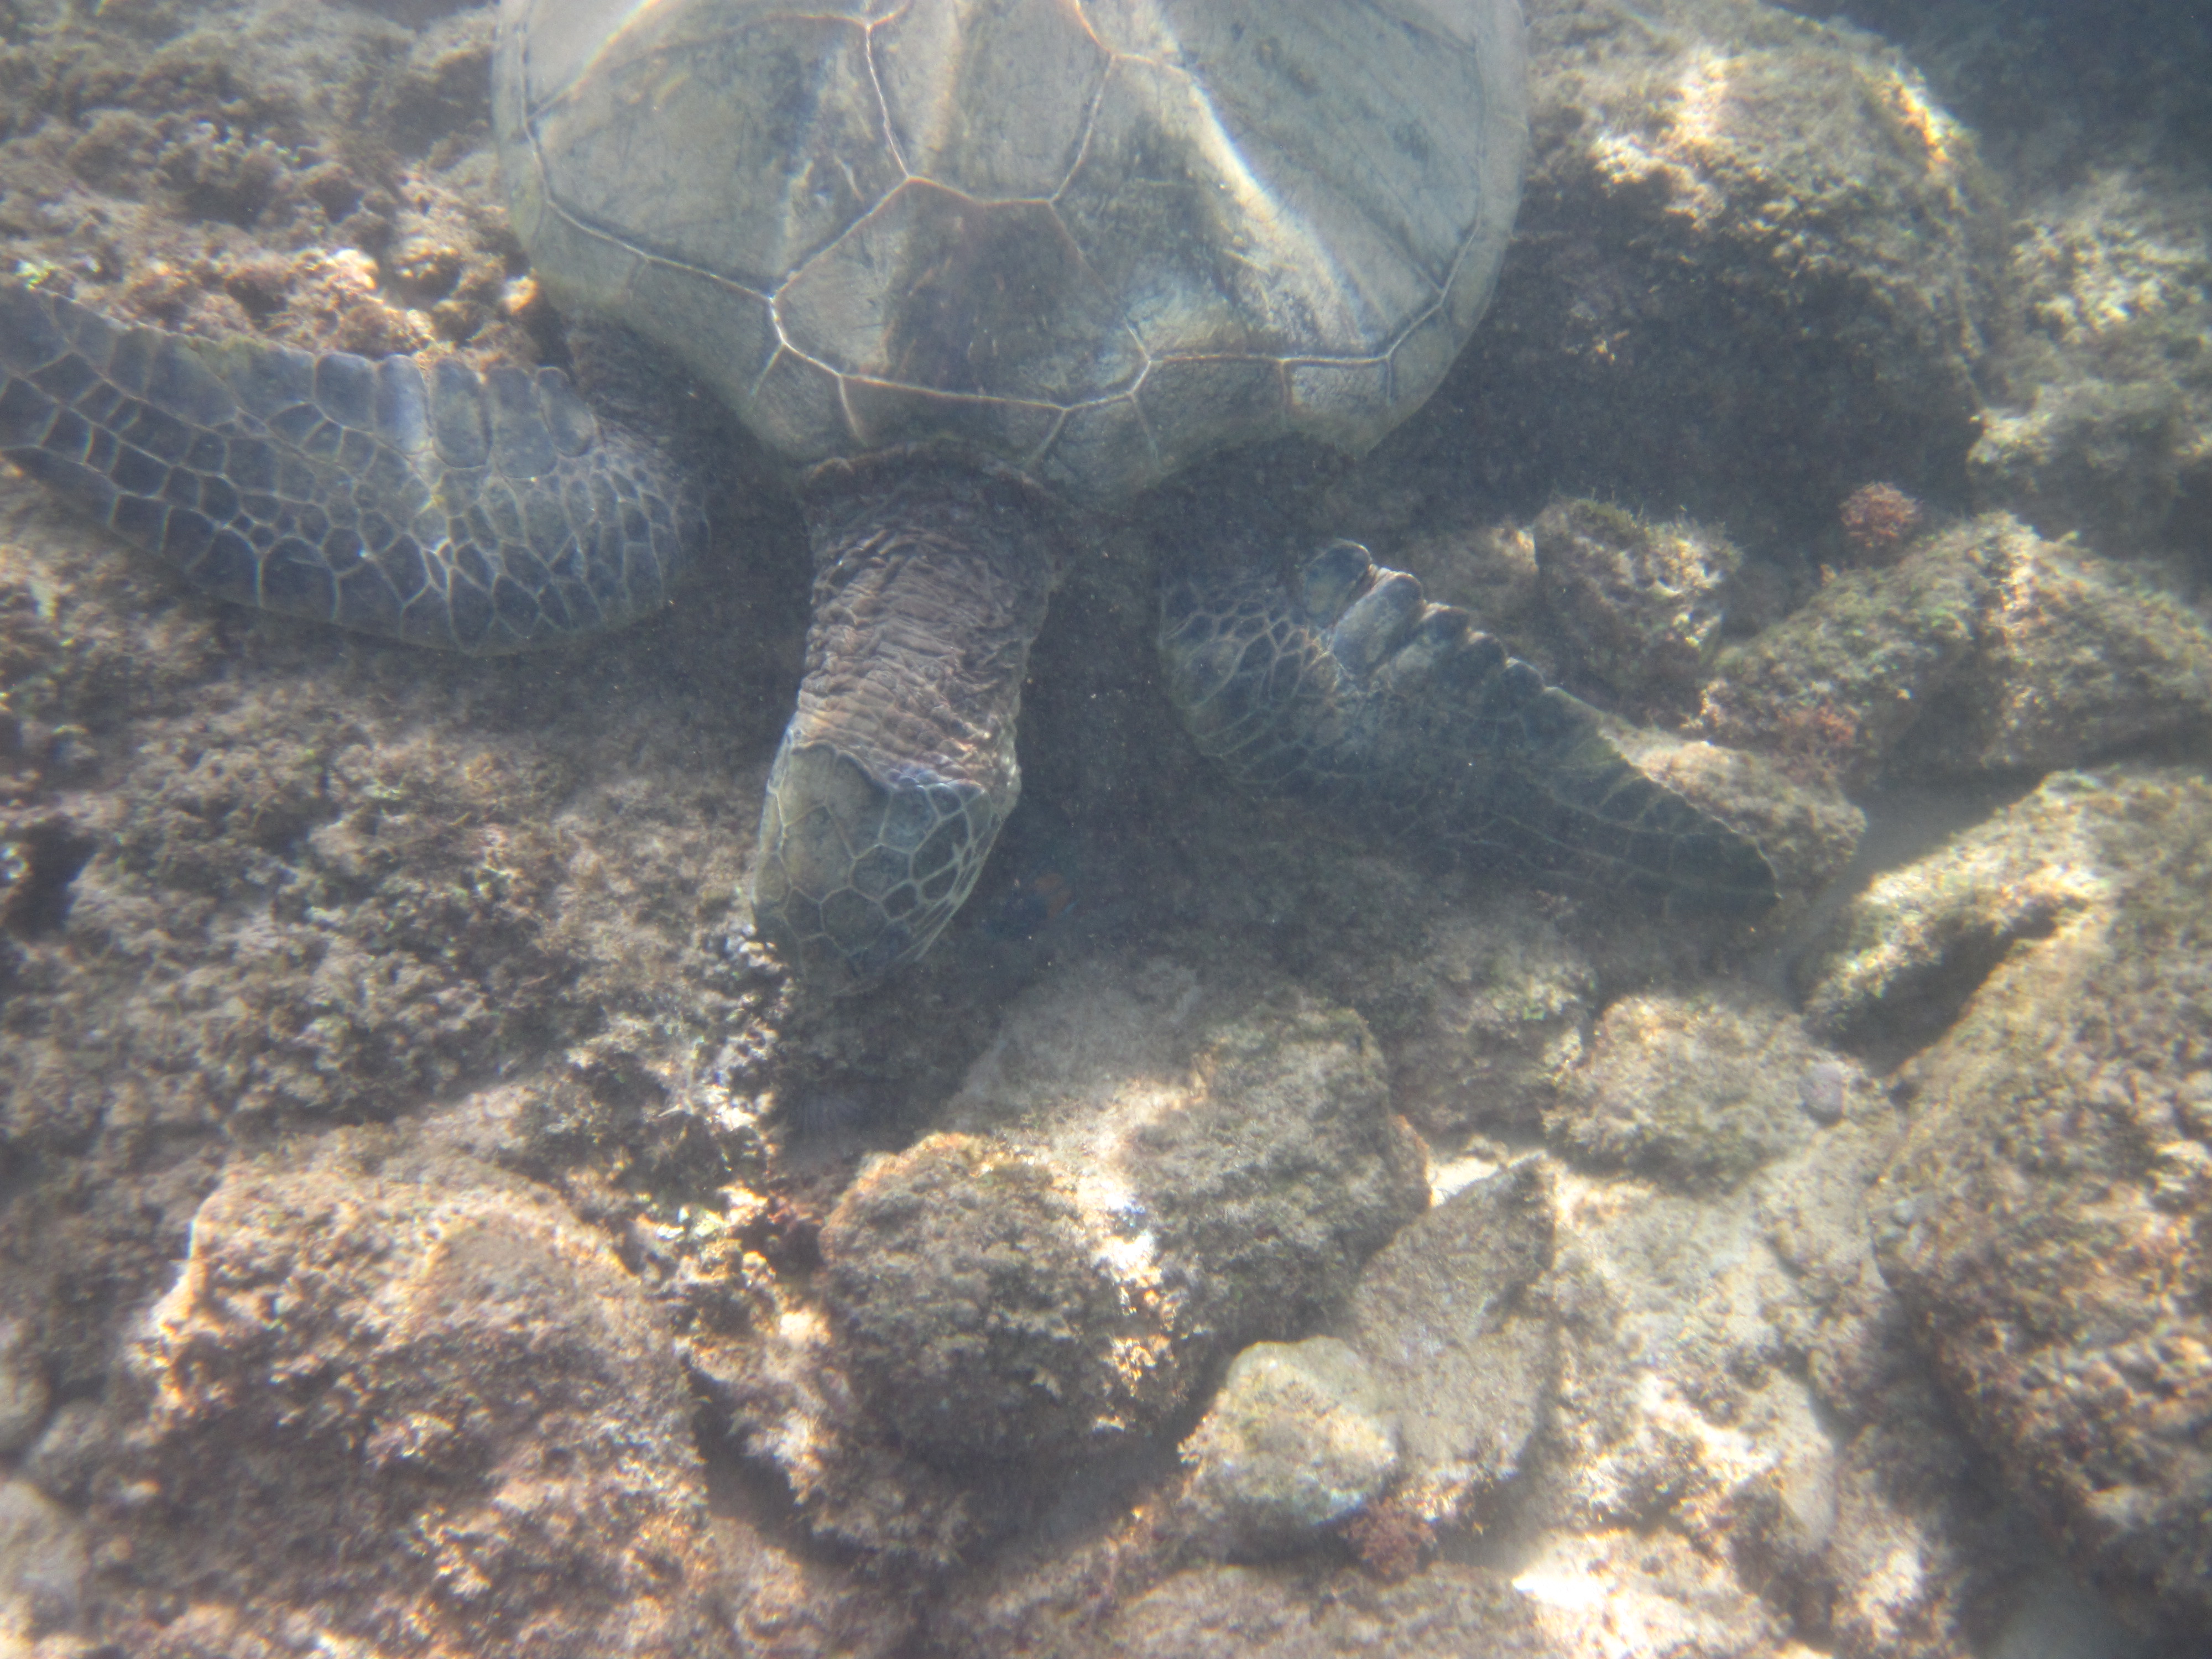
[25,1396]
[71,1452]
[1913,1488]
[1297,1436]
[1985,649]
[407,1401]
[1627,1590]
[973,1300]
[1831,689]
[1463,1349]
[1241,1131]
[44,1564]
[1144,1171]
[1480,1025]
[2048,1218]
[1698,1089]
[1688,1468]
[1753,269]
[2078,658]
[1280,1177]
[1257,1613]
[235,136]
[2105,426]
[1638,607]
[1906,953]
[1478,990]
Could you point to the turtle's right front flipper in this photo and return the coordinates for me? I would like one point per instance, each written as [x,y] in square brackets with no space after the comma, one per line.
[482,513]
[1346,689]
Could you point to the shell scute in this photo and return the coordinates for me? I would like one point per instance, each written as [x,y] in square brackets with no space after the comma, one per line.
[1095,240]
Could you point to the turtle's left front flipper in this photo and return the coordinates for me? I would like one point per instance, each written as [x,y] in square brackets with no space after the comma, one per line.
[482,512]
[1346,689]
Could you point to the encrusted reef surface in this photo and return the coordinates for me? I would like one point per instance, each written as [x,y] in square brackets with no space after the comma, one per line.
[431,1225]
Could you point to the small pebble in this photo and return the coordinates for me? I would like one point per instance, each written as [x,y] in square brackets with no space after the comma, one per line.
[1820,1090]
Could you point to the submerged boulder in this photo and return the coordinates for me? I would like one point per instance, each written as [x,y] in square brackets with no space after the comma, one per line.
[1147,1172]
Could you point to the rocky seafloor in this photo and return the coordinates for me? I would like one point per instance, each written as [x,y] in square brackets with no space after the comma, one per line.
[430,1224]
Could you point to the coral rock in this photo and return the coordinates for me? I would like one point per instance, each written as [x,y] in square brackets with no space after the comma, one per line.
[971,1296]
[1465,1353]
[409,1402]
[1298,1437]
[2048,1219]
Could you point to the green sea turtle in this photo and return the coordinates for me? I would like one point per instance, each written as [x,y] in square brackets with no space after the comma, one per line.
[970,266]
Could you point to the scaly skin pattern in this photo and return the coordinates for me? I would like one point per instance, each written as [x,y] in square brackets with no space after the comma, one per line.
[482,512]
[897,768]
[1350,692]
[495,512]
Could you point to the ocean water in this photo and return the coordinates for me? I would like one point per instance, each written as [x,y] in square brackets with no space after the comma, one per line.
[445,1208]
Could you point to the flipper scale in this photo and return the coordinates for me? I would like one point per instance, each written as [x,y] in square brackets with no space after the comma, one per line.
[482,513]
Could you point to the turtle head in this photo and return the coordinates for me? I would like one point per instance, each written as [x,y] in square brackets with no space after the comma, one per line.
[862,865]
[932,575]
